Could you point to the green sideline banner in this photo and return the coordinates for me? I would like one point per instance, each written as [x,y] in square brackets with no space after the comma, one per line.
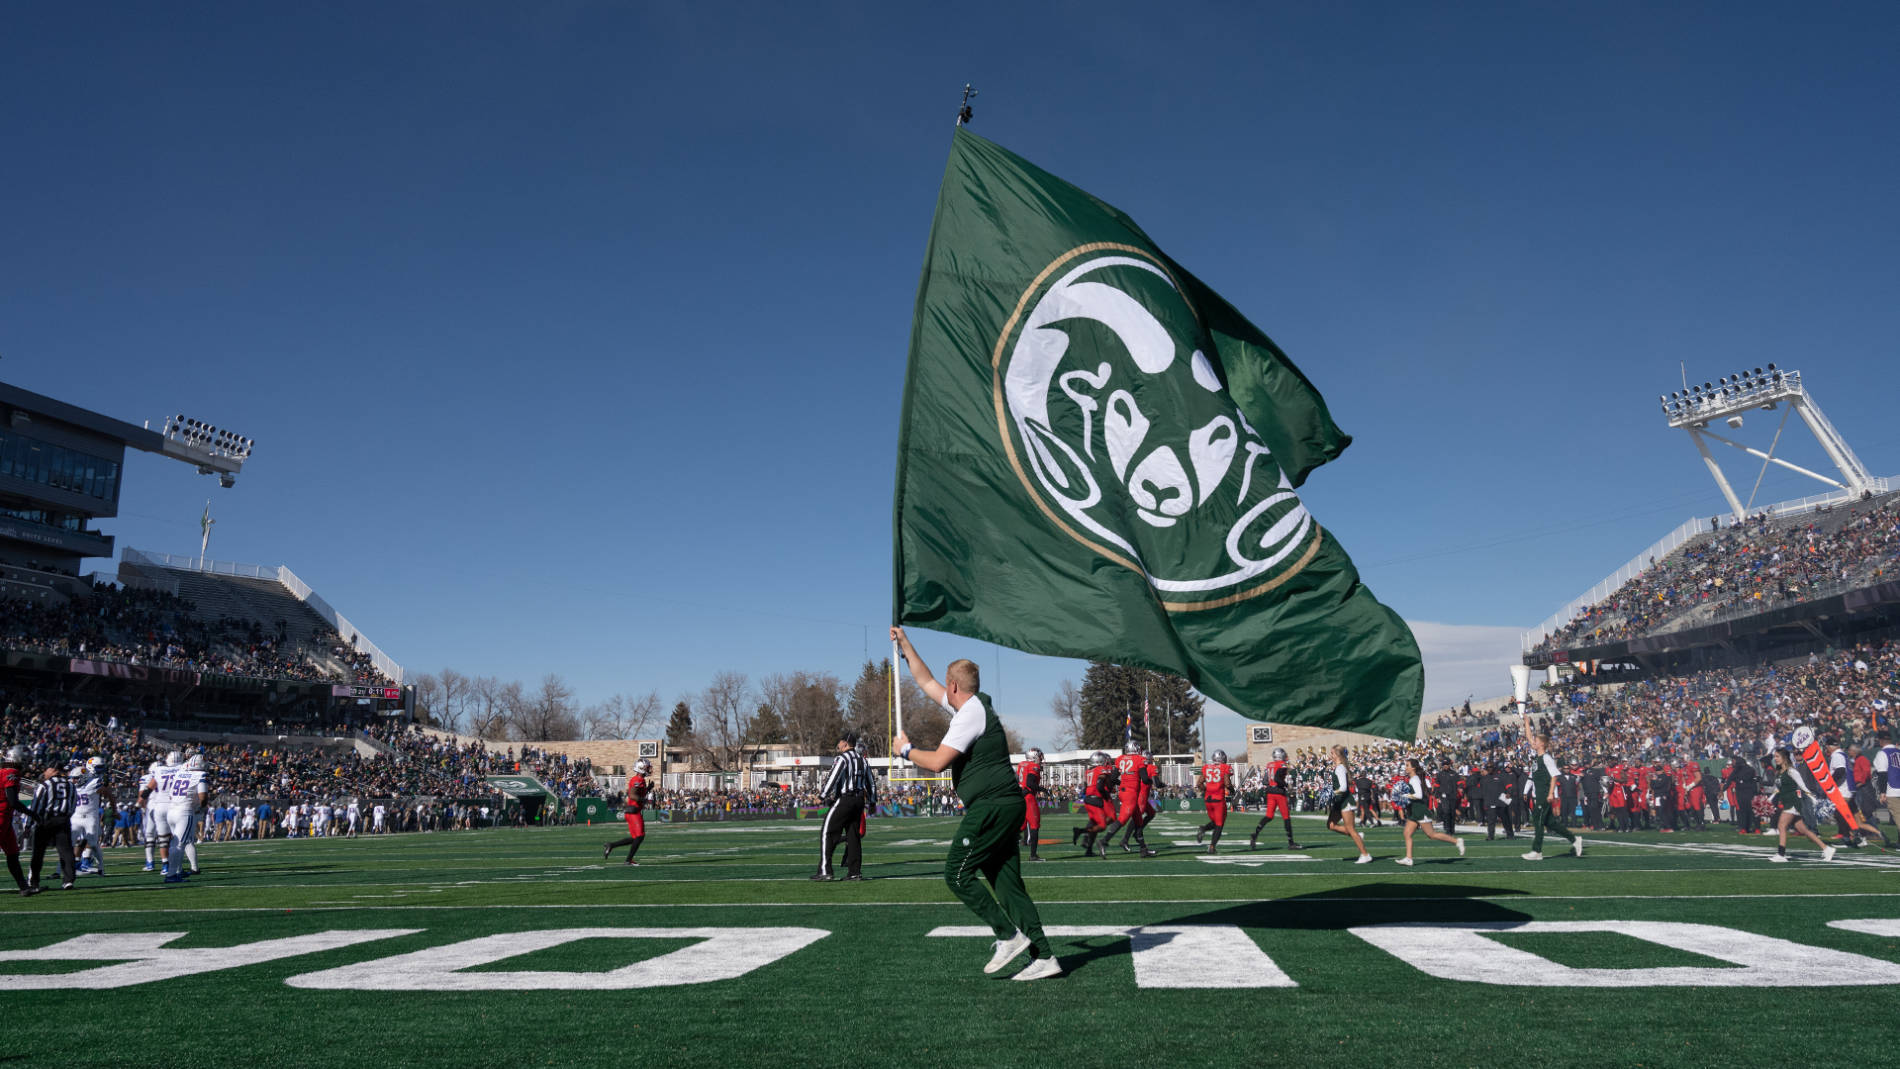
[519,786]
[1098,457]
[591,810]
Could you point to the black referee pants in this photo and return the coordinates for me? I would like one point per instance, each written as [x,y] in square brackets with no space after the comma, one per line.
[59,832]
[842,823]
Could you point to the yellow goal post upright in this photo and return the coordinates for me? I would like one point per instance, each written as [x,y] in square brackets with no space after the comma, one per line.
[894,710]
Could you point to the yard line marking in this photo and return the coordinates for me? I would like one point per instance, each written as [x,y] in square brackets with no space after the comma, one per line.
[338,906]
[1764,852]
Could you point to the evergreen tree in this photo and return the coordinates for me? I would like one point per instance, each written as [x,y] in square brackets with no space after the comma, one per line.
[679,728]
[767,727]
[1112,695]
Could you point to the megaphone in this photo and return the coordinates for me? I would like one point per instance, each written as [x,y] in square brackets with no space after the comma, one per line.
[1521,683]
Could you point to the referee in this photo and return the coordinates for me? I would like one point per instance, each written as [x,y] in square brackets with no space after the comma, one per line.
[52,813]
[849,791]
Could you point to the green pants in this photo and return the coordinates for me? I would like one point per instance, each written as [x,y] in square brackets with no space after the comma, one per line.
[1542,819]
[985,844]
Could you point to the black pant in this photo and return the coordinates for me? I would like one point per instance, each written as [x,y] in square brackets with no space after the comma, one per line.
[59,832]
[1494,815]
[842,823]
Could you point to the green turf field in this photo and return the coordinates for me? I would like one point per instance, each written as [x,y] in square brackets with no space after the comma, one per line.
[519,947]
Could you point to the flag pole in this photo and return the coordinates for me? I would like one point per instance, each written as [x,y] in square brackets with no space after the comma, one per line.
[897,696]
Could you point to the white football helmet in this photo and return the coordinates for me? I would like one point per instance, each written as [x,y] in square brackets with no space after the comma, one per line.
[174,759]
[95,764]
[155,768]
[1220,757]
[643,766]
[196,762]
[76,771]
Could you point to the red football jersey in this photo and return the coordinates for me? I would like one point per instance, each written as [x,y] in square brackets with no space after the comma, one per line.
[636,793]
[9,777]
[1130,766]
[1276,777]
[1215,780]
[1026,770]
[1094,782]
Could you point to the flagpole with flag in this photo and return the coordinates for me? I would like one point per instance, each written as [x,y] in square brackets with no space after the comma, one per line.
[1100,457]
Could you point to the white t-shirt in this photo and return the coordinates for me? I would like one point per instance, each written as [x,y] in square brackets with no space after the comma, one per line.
[966,723]
[1880,770]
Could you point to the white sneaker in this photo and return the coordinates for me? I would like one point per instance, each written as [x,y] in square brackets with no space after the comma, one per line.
[1576,846]
[1364,859]
[1780,859]
[1533,856]
[1461,848]
[1040,969]
[1006,949]
[1827,853]
[1404,861]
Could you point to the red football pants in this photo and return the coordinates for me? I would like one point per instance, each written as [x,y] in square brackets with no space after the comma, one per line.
[1032,813]
[1217,811]
[636,825]
[1276,805]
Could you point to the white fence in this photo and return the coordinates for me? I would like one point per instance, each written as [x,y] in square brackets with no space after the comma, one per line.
[1673,541]
[288,579]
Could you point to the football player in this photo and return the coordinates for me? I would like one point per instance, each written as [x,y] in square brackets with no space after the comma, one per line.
[1217,778]
[1131,770]
[1029,777]
[1148,790]
[354,816]
[1277,802]
[1098,789]
[87,845]
[10,805]
[636,803]
[155,797]
[188,796]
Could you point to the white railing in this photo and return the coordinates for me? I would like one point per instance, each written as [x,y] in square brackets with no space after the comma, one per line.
[199,564]
[301,590]
[280,574]
[1673,541]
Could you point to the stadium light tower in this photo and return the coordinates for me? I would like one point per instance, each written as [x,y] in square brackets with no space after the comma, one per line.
[214,450]
[1727,399]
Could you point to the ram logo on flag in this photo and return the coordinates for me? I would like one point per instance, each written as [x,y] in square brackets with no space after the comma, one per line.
[1099,457]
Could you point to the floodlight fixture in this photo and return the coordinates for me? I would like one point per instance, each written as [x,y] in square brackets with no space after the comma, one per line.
[1730,396]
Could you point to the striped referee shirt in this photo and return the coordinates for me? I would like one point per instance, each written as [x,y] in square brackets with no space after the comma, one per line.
[849,773]
[54,800]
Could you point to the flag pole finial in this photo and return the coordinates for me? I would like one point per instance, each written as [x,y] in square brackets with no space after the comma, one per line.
[965,113]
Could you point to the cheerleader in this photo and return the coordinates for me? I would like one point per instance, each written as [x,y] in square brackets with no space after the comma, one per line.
[1418,816]
[1341,816]
[1788,792]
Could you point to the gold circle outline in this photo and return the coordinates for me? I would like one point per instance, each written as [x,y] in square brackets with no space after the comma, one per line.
[1015,462]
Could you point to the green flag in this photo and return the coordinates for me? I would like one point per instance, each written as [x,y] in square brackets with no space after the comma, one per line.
[1098,458]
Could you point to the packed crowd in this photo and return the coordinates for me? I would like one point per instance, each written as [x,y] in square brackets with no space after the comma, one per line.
[1693,726]
[1753,566]
[423,781]
[151,627]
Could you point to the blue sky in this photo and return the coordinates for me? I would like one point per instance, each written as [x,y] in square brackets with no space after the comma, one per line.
[572,335]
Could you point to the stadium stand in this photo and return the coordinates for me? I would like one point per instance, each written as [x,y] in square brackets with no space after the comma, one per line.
[1765,563]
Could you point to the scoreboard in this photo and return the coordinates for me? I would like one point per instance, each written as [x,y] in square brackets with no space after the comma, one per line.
[363,690]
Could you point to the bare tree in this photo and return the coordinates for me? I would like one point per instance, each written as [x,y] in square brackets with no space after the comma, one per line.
[1066,707]
[548,713]
[720,718]
[622,717]
[491,703]
[428,697]
[455,698]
